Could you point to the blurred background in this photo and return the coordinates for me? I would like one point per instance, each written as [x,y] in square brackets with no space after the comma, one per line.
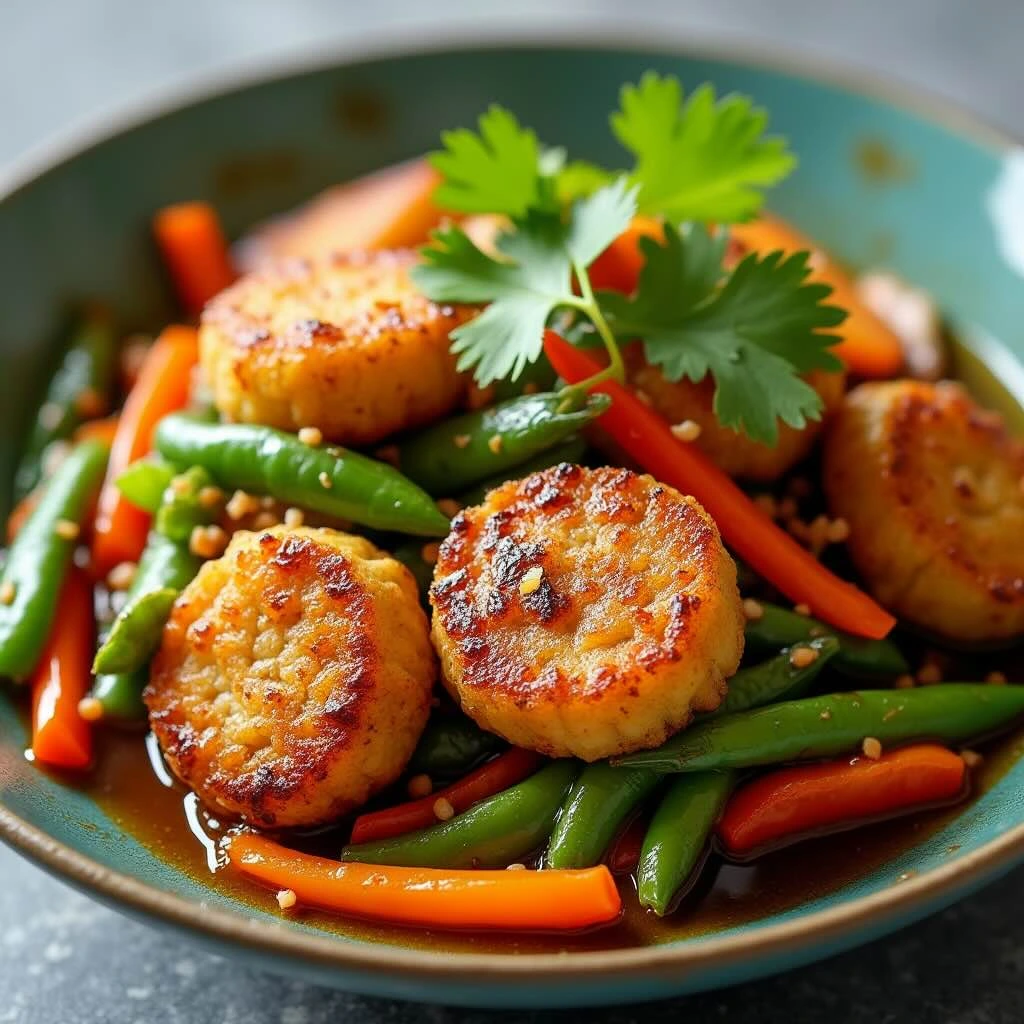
[64,62]
[67,60]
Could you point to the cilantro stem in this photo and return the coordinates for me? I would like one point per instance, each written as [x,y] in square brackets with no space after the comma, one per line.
[587,303]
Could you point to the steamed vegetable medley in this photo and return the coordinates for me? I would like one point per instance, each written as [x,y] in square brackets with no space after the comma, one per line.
[679,514]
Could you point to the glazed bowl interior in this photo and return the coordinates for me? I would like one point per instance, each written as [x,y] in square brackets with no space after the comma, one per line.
[878,184]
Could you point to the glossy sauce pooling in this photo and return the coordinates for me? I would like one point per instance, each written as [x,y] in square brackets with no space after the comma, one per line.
[168,821]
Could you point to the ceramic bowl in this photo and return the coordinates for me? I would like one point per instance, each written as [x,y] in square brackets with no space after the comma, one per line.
[883,179]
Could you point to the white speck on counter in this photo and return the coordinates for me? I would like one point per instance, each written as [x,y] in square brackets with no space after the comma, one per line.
[56,951]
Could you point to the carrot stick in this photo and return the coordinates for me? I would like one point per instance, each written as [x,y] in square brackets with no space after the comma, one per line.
[504,771]
[119,533]
[766,548]
[794,803]
[60,736]
[192,244]
[433,897]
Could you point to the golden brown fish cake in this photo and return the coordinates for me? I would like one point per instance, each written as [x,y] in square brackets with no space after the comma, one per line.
[344,343]
[586,612]
[294,677]
[734,452]
[931,487]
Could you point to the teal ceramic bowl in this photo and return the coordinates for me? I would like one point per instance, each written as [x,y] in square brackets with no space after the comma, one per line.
[882,179]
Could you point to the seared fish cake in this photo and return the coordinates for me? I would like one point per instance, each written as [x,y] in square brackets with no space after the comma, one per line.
[586,612]
[344,343]
[294,676]
[931,487]
[734,452]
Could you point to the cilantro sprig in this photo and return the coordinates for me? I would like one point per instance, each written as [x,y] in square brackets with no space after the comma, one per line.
[750,329]
[529,279]
[754,328]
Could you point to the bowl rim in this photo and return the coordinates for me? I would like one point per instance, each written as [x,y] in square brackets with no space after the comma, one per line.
[880,911]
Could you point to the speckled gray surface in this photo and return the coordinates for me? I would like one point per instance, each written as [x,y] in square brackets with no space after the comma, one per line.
[66,959]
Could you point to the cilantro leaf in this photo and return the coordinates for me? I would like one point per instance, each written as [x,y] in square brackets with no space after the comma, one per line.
[578,179]
[754,332]
[495,170]
[528,279]
[700,160]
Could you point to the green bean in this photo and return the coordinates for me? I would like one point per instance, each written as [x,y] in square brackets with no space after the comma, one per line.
[497,831]
[819,727]
[677,837]
[87,369]
[451,746]
[570,450]
[452,456]
[598,803]
[603,797]
[334,481]
[778,627]
[38,560]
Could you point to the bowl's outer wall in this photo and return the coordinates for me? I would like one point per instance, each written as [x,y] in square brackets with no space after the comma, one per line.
[81,230]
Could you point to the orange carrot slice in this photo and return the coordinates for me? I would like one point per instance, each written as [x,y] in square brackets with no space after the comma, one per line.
[433,897]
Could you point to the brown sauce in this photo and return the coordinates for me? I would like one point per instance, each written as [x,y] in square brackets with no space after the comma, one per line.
[126,786]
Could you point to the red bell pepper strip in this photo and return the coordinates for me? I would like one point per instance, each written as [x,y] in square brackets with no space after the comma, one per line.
[794,803]
[60,736]
[504,771]
[433,897]
[625,852]
[766,548]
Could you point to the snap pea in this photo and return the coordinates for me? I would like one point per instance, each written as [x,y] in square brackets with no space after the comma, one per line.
[495,832]
[38,560]
[120,696]
[181,508]
[570,450]
[778,627]
[166,567]
[143,483]
[451,746]
[460,452]
[87,368]
[677,837]
[603,797]
[135,634]
[334,481]
[818,727]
